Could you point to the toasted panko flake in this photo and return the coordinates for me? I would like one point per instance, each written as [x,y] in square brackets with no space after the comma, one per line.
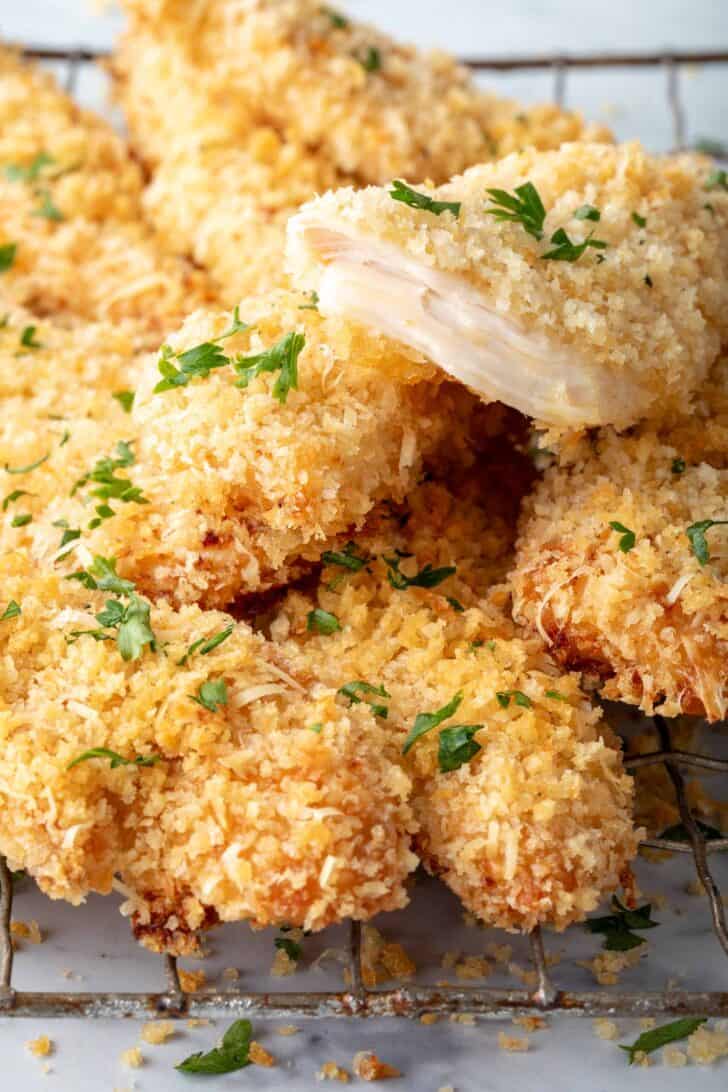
[158,1031]
[369,1067]
[40,1047]
[512,1043]
[191,981]
[260,1056]
[132,1058]
[605,1029]
[707,1045]
[330,1071]
[26,930]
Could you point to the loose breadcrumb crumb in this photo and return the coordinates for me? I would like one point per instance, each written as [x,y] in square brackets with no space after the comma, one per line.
[231,974]
[330,1071]
[674,1057]
[607,966]
[647,1023]
[369,1067]
[133,1058]
[157,1031]
[605,1029]
[706,1046]
[282,965]
[191,981]
[511,1043]
[198,1022]
[26,930]
[530,1023]
[473,967]
[429,1018]
[287,1029]
[465,1018]
[40,1047]
[642,1059]
[260,1056]
[501,953]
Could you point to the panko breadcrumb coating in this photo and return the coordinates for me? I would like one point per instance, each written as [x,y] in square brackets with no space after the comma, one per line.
[70,205]
[646,617]
[279,806]
[244,491]
[277,101]
[536,826]
[625,329]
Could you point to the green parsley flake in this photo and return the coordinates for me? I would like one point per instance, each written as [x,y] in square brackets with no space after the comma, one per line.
[102,575]
[108,485]
[371,59]
[232,1054]
[525,208]
[659,1037]
[12,497]
[197,362]
[47,208]
[588,212]
[322,621]
[347,558]
[717,180]
[338,21]
[504,698]
[617,928]
[455,604]
[129,624]
[555,695]
[15,172]
[31,466]
[313,305]
[354,690]
[11,611]
[566,251]
[282,358]
[425,722]
[427,577]
[27,338]
[640,221]
[698,542]
[456,746]
[628,539]
[125,400]
[678,466]
[317,728]
[400,191]
[115,759]
[21,520]
[206,645]
[293,951]
[7,256]
[211,694]
[648,280]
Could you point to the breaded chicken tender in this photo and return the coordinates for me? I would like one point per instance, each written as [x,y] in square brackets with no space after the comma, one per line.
[280,438]
[518,787]
[583,286]
[622,561]
[72,239]
[245,111]
[226,788]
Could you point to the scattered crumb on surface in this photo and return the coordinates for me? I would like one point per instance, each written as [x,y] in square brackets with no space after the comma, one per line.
[449,960]
[133,1058]
[530,1023]
[191,981]
[512,1043]
[260,1056]
[674,1057]
[695,887]
[198,1022]
[382,960]
[647,1023]
[473,966]
[428,1018]
[605,1029]
[642,1059]
[330,1071]
[370,1068]
[501,953]
[282,964]
[231,974]
[607,966]
[287,1029]
[706,1045]
[26,930]
[466,1018]
[528,978]
[40,1047]
[157,1031]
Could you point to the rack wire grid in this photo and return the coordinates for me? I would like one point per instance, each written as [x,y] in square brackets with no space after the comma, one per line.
[412,1001]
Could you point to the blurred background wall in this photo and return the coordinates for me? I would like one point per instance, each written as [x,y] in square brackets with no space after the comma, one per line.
[632,102]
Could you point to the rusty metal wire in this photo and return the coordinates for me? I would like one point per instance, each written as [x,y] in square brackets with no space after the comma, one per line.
[413,1001]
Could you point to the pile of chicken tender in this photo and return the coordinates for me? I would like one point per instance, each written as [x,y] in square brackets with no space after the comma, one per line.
[360,431]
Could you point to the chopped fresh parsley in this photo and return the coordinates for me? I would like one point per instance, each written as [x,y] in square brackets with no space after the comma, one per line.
[232,1054]
[338,21]
[566,251]
[474,646]
[293,950]
[108,485]
[115,759]
[125,399]
[281,357]
[370,59]
[628,539]
[11,611]
[129,623]
[400,191]
[455,604]
[696,536]
[588,212]
[322,621]
[555,695]
[456,746]
[12,497]
[347,558]
[640,221]
[31,466]
[317,727]
[205,645]
[354,691]
[102,575]
[21,520]
[7,256]
[504,698]
[617,928]
[425,722]
[69,540]
[313,305]
[678,465]
[659,1037]
[427,577]
[65,438]
[15,172]
[211,694]
[196,362]
[47,208]
[648,280]
[27,338]
[525,208]
[717,180]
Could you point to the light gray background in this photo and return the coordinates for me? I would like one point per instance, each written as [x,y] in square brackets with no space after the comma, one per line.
[567,1056]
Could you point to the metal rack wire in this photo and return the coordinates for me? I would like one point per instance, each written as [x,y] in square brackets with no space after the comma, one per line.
[412,1001]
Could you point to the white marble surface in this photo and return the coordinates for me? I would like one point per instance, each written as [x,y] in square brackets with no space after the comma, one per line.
[93,942]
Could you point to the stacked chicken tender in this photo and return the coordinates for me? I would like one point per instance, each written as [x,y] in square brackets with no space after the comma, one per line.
[261,552]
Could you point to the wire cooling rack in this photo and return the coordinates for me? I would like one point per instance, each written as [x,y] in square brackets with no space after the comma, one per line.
[413,1001]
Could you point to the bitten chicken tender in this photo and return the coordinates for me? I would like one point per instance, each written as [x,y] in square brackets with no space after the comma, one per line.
[242,488]
[245,111]
[522,801]
[641,607]
[583,286]
[72,239]
[246,793]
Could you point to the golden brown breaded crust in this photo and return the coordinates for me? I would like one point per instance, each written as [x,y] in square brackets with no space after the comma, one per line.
[536,826]
[243,491]
[646,314]
[649,620]
[70,203]
[280,806]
